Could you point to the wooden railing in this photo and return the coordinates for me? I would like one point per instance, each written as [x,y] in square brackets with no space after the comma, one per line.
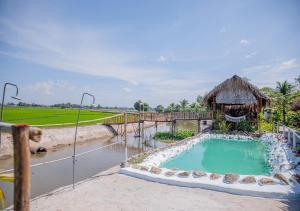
[120,119]
[158,117]
[21,135]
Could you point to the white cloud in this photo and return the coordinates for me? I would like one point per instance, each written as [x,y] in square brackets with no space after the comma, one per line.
[278,67]
[268,74]
[48,87]
[43,87]
[126,89]
[162,59]
[250,55]
[76,49]
[223,29]
[290,64]
[244,42]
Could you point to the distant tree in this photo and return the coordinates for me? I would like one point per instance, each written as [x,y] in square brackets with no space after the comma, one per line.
[141,106]
[283,101]
[298,80]
[199,99]
[183,104]
[177,108]
[170,108]
[159,109]
[246,79]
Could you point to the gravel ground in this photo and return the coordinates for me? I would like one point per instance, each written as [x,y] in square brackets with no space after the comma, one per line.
[112,191]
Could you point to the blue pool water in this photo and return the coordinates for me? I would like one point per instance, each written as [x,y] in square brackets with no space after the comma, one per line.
[217,155]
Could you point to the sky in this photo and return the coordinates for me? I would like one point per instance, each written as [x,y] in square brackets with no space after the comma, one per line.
[157,51]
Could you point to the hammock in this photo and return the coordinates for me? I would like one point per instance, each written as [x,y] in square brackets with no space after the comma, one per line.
[235,119]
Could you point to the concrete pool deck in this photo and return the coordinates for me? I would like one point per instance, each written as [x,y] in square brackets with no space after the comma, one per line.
[112,191]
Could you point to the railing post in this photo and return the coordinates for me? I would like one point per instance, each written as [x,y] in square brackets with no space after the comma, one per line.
[125,139]
[294,139]
[289,135]
[21,165]
[277,127]
[199,125]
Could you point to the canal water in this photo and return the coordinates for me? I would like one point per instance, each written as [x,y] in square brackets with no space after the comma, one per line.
[46,178]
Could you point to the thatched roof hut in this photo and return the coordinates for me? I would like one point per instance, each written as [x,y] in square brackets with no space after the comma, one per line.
[236,96]
[296,105]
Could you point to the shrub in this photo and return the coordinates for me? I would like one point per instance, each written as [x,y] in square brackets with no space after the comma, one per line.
[179,135]
[293,119]
[244,126]
[224,127]
[182,134]
[217,121]
[163,135]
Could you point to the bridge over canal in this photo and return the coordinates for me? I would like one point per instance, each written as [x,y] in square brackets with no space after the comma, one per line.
[171,117]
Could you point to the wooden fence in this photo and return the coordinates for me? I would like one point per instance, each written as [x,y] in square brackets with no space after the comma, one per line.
[21,135]
[157,117]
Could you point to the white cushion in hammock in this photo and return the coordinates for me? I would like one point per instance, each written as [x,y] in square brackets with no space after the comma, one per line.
[235,119]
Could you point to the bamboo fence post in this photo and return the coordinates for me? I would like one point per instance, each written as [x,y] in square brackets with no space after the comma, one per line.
[125,138]
[289,135]
[199,125]
[294,139]
[21,165]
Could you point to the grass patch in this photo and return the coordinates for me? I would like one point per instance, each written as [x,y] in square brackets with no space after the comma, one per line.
[42,115]
[168,137]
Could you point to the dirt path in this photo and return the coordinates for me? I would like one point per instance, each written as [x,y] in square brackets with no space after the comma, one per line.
[111,191]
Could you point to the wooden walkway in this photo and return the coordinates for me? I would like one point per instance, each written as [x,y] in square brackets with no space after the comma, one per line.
[157,117]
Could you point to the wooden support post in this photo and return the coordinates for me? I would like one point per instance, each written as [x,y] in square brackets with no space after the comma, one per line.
[289,135]
[140,125]
[125,138]
[199,125]
[155,126]
[22,167]
[143,131]
[294,139]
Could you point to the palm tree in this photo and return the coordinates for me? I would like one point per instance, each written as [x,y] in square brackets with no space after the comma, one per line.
[183,104]
[171,107]
[285,89]
[298,80]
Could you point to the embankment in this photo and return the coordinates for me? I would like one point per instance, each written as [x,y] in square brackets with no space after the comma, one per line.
[54,138]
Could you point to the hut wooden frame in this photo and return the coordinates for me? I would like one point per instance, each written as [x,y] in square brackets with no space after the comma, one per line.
[233,86]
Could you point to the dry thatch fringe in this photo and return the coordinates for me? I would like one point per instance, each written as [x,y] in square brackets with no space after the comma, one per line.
[296,105]
[235,83]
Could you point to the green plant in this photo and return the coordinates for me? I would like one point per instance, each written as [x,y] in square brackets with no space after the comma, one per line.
[224,127]
[216,121]
[182,134]
[163,135]
[284,89]
[297,148]
[293,119]
[5,178]
[262,124]
[244,126]
[179,135]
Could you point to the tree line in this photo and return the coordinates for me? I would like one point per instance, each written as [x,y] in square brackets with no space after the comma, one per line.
[283,99]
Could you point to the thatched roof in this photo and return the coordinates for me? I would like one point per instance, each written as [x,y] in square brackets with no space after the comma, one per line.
[236,91]
[296,105]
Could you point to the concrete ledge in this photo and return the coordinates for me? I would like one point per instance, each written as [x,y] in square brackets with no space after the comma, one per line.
[276,191]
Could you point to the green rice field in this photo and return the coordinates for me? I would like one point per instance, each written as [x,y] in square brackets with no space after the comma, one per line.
[45,116]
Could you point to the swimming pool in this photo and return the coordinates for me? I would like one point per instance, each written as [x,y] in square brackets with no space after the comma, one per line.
[235,164]
[220,155]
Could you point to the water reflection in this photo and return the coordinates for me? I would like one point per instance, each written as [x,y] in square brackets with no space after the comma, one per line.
[46,178]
